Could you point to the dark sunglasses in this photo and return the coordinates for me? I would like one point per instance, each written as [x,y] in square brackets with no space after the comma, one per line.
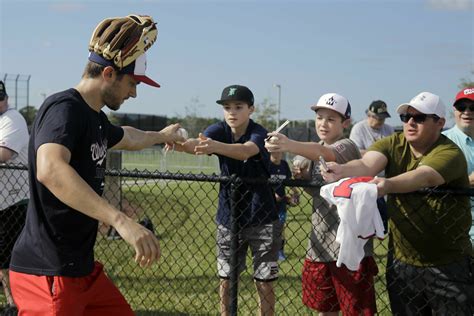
[418,118]
[461,107]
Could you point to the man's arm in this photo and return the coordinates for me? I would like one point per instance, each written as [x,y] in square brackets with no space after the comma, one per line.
[135,139]
[362,151]
[54,172]
[6,154]
[410,181]
[371,164]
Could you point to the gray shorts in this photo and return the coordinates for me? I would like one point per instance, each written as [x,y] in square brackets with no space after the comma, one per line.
[264,242]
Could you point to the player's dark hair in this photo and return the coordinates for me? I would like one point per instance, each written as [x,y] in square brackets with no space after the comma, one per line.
[94,70]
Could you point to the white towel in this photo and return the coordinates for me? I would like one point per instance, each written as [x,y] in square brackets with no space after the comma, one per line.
[356,202]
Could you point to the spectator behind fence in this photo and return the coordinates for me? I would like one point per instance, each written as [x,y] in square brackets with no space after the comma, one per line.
[13,187]
[366,132]
[238,142]
[326,287]
[52,268]
[279,169]
[462,133]
[431,271]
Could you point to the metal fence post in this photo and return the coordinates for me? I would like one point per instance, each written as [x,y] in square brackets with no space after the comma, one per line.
[113,186]
[234,246]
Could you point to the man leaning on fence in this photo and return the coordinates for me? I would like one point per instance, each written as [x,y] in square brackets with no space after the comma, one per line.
[238,142]
[432,271]
[13,187]
[462,133]
[53,271]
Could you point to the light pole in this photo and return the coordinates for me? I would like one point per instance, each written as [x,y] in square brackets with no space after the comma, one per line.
[279,104]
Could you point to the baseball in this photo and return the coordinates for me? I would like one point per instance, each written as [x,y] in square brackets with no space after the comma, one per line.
[300,162]
[297,163]
[273,140]
[182,132]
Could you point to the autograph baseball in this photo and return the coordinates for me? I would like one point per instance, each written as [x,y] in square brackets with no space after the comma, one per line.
[182,132]
[301,162]
[273,140]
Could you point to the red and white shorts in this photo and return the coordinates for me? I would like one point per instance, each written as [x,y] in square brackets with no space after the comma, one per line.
[92,295]
[327,288]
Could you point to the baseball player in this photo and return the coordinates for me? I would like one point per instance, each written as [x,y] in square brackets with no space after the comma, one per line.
[53,271]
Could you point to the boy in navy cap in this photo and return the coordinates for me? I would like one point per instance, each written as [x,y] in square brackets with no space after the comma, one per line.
[239,142]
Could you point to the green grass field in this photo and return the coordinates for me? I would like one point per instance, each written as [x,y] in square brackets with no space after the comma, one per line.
[185,282]
[172,161]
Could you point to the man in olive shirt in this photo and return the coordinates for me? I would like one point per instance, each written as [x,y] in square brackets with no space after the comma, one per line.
[431,272]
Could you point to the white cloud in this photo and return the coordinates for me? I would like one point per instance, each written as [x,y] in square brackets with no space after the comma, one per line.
[67,7]
[455,5]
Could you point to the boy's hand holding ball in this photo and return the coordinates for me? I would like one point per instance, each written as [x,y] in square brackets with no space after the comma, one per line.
[273,140]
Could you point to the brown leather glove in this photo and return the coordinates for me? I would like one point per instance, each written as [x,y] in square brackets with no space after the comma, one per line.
[123,39]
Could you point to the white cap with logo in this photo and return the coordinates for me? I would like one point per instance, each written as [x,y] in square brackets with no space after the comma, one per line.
[426,103]
[335,102]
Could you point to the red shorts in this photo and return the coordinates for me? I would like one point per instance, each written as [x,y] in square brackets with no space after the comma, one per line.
[92,295]
[327,288]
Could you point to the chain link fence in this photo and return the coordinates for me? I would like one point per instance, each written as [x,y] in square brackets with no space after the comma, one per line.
[180,208]
[18,89]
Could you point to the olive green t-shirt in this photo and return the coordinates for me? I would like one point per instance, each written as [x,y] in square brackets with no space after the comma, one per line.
[428,229]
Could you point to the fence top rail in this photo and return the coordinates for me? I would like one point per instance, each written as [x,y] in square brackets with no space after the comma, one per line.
[201,177]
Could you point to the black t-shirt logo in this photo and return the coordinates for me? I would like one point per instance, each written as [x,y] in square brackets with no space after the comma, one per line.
[99,152]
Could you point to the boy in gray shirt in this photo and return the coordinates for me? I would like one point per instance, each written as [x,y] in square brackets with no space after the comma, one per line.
[326,287]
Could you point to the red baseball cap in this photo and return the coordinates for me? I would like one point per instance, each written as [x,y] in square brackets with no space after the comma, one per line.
[466,93]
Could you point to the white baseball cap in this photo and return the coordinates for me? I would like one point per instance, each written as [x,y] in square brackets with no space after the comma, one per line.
[426,103]
[335,102]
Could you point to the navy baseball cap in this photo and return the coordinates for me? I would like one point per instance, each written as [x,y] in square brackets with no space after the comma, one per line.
[236,93]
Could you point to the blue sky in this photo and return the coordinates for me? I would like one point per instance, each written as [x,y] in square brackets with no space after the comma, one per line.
[364,50]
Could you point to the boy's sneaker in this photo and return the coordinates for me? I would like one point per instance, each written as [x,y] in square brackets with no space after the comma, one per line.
[281,256]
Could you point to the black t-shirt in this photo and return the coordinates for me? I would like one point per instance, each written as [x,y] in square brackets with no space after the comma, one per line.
[56,239]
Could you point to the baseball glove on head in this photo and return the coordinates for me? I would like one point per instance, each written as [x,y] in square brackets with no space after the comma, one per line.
[123,39]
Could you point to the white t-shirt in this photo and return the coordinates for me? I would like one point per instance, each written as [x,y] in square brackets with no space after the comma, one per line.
[356,202]
[14,136]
